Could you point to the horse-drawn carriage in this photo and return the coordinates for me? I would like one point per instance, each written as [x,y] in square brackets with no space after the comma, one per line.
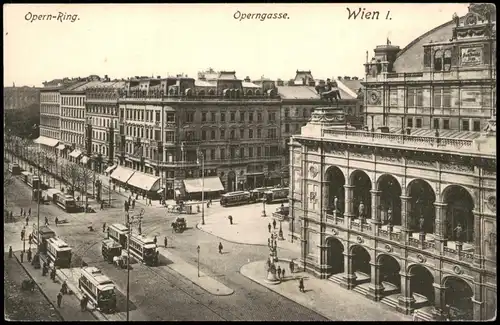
[179,225]
[180,208]
[121,261]
[35,261]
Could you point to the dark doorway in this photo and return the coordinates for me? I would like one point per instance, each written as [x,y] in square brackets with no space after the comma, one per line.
[389,272]
[421,285]
[362,186]
[336,182]
[459,212]
[458,296]
[390,198]
[335,256]
[361,260]
[422,198]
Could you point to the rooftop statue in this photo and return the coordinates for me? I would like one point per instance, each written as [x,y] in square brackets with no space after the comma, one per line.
[330,91]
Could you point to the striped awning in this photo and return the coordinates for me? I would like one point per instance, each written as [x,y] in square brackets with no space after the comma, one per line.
[50,142]
[75,153]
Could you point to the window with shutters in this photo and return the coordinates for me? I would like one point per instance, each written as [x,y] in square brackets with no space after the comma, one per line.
[203,135]
[223,117]
[242,152]
[222,134]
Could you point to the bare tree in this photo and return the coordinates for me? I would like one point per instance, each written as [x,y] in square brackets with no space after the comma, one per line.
[86,177]
[71,174]
[7,180]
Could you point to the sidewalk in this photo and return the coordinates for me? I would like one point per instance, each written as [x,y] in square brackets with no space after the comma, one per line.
[323,296]
[249,227]
[190,272]
[70,306]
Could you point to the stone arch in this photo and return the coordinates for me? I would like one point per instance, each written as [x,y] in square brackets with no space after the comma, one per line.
[249,92]
[458,297]
[459,212]
[421,284]
[446,191]
[336,181]
[335,255]
[361,259]
[211,92]
[421,204]
[361,193]
[389,268]
[201,93]
[390,198]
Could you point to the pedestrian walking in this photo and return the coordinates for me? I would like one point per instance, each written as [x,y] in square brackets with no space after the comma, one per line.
[104,227]
[56,220]
[301,285]
[53,274]
[269,242]
[27,221]
[46,221]
[24,213]
[165,241]
[44,269]
[133,204]
[269,227]
[10,251]
[282,273]
[29,212]
[29,255]
[274,224]
[83,303]
[22,256]
[220,248]
[279,271]
[150,202]
[275,243]
[64,288]
[292,266]
[155,240]
[59,299]
[230,219]
[102,205]
[21,212]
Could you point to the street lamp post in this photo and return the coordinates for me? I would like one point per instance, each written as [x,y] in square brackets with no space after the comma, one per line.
[198,250]
[135,220]
[202,188]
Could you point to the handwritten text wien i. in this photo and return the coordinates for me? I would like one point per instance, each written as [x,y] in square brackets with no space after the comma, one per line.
[363,14]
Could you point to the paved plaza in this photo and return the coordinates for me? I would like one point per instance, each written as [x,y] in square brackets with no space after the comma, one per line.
[322,296]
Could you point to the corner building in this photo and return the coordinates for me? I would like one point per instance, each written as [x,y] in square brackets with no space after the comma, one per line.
[407,219]
[165,124]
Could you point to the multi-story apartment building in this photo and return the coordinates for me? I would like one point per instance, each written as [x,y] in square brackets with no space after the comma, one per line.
[409,219]
[73,125]
[301,95]
[165,124]
[50,114]
[101,108]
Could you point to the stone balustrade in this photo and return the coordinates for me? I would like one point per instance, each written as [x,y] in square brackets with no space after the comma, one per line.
[401,139]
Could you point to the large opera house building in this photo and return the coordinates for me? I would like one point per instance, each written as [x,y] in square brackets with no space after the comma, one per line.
[404,211]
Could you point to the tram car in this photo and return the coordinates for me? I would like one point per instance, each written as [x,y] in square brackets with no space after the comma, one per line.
[110,249]
[59,252]
[257,194]
[98,287]
[45,234]
[277,195]
[24,176]
[65,202]
[33,181]
[118,233]
[235,198]
[14,169]
[143,249]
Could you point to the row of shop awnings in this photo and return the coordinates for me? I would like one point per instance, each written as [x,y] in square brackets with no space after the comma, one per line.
[135,178]
[208,184]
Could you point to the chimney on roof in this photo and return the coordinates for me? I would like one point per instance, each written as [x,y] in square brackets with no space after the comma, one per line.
[339,78]
[247,79]
[279,83]
[347,78]
[355,78]
[158,77]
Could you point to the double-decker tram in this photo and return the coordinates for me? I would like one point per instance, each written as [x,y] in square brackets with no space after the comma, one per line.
[33,181]
[143,248]
[118,233]
[98,287]
[258,193]
[24,176]
[277,195]
[65,202]
[14,169]
[45,234]
[59,252]
[235,198]
[110,249]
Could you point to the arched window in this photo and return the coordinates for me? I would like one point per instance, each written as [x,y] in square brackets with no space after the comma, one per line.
[438,61]
[447,60]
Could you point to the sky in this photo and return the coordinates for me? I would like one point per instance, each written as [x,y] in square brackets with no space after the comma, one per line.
[163,39]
